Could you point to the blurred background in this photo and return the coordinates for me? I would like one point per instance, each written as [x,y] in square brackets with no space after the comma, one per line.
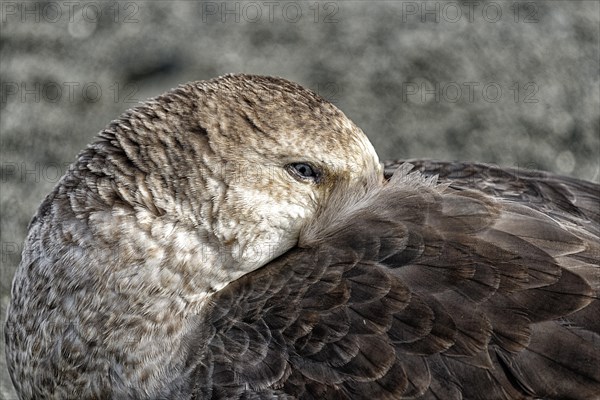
[504,82]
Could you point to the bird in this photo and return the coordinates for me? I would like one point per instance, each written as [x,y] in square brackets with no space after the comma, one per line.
[239,238]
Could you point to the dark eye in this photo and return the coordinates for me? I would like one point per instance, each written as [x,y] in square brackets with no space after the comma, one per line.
[303,172]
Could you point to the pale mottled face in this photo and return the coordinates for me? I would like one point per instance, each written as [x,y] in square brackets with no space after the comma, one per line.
[245,162]
[287,150]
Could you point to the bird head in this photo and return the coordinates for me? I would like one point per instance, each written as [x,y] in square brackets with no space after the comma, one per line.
[228,172]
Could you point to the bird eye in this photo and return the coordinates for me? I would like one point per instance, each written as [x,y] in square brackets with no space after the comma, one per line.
[303,172]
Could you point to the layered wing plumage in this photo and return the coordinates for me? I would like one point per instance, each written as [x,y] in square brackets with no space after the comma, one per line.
[485,286]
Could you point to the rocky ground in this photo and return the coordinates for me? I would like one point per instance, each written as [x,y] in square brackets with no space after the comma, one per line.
[510,83]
